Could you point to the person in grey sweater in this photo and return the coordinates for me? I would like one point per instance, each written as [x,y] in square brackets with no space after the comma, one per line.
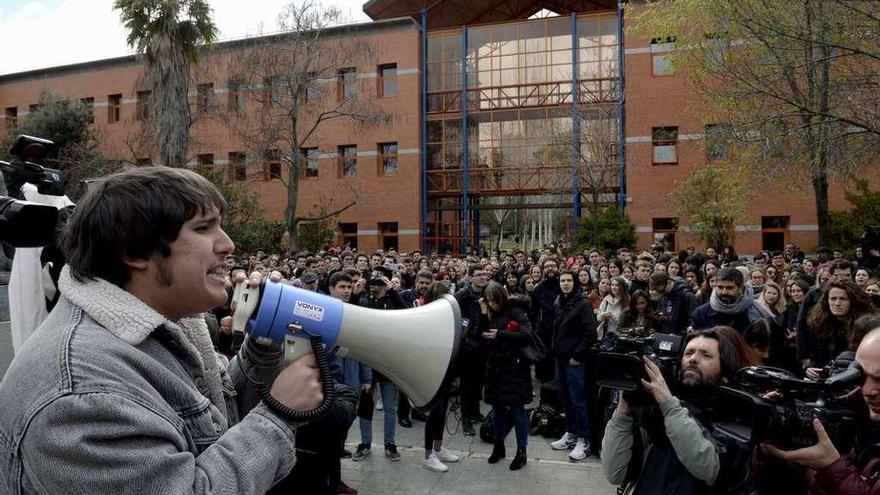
[669,445]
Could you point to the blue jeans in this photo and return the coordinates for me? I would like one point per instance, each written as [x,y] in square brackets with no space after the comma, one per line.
[520,423]
[389,401]
[574,397]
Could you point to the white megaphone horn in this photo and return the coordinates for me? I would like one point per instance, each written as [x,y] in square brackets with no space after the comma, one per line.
[414,348]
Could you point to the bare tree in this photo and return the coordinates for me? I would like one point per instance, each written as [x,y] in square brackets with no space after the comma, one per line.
[795,82]
[287,87]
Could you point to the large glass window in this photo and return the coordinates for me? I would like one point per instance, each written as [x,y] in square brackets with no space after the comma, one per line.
[524,64]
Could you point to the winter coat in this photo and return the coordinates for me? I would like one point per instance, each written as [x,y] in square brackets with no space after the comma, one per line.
[574,327]
[545,294]
[108,396]
[677,306]
[469,304]
[610,305]
[508,374]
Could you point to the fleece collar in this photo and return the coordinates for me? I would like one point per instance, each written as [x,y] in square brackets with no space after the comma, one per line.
[132,321]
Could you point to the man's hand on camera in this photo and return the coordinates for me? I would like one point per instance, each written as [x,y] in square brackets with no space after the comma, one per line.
[299,385]
[656,386]
[624,407]
[819,456]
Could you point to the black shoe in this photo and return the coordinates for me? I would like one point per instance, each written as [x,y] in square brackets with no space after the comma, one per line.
[405,422]
[346,454]
[468,429]
[498,453]
[419,416]
[519,460]
[391,452]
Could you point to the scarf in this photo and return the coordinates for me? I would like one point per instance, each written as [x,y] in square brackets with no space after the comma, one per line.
[746,303]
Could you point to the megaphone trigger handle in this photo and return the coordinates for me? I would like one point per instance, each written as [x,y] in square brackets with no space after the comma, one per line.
[327,385]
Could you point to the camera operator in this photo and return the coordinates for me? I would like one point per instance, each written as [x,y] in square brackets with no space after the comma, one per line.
[669,446]
[119,390]
[856,472]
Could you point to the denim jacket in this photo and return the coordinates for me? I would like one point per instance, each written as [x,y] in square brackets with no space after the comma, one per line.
[107,396]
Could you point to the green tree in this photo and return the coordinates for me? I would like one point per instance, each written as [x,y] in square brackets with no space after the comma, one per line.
[245,221]
[67,123]
[169,34]
[608,229]
[848,225]
[712,199]
[794,80]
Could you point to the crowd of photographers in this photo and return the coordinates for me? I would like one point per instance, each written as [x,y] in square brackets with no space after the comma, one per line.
[569,321]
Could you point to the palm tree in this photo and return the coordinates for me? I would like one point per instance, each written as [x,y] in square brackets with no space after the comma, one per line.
[168,33]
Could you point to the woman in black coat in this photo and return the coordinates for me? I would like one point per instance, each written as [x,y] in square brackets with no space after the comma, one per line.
[505,326]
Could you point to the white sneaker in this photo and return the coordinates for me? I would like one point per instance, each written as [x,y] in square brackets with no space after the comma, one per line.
[566,442]
[432,463]
[580,451]
[446,456]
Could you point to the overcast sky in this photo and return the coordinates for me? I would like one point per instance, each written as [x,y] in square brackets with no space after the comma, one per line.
[46,33]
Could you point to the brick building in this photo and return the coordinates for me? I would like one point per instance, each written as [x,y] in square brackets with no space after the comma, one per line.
[454,166]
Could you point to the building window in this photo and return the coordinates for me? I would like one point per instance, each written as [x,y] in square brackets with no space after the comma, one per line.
[114,108]
[664,140]
[89,103]
[348,235]
[388,235]
[310,171]
[388,158]
[387,80]
[142,108]
[272,167]
[11,117]
[664,231]
[660,64]
[236,94]
[346,83]
[205,163]
[774,233]
[237,166]
[272,90]
[313,93]
[717,141]
[33,107]
[143,162]
[348,160]
[205,97]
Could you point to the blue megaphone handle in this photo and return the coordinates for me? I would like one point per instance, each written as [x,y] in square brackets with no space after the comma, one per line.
[282,304]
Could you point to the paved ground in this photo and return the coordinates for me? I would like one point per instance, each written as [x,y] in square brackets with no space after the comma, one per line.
[548,472]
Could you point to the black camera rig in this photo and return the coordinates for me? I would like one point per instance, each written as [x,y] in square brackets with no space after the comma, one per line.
[24,223]
[749,416]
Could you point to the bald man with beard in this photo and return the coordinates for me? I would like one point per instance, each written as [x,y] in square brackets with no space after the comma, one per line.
[852,473]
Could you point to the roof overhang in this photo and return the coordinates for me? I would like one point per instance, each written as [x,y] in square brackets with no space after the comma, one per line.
[453,13]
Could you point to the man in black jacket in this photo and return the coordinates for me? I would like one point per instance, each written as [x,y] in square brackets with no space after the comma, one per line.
[472,354]
[674,301]
[545,296]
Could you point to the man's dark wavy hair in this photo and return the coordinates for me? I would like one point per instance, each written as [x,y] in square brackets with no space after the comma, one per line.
[136,214]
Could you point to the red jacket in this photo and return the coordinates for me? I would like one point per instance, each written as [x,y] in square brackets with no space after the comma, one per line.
[844,478]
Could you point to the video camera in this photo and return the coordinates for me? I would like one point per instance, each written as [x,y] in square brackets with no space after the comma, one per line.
[619,363]
[24,223]
[745,416]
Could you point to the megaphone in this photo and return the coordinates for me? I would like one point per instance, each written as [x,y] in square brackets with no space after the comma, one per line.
[414,348]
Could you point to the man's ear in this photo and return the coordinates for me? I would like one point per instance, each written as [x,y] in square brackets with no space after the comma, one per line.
[136,264]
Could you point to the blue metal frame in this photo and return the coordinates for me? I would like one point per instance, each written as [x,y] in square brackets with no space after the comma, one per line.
[465,153]
[575,128]
[423,26]
[621,109]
